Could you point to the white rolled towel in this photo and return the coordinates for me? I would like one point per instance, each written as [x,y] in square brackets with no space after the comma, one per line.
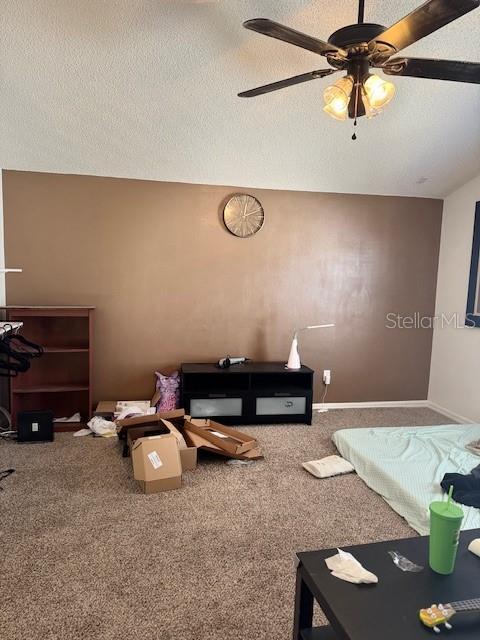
[329,466]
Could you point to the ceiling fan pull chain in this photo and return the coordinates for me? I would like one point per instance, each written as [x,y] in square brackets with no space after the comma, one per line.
[357,90]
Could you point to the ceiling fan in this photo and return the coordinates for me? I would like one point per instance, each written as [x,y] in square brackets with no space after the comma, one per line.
[358,47]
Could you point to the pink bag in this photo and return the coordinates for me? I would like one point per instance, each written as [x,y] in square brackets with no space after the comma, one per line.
[169,388]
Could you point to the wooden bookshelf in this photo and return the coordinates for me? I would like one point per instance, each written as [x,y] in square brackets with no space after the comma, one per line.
[61,379]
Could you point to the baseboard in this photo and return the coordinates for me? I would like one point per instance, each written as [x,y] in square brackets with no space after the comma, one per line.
[370,405]
[450,414]
[427,404]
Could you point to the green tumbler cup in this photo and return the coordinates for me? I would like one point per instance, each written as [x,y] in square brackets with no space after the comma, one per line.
[445,522]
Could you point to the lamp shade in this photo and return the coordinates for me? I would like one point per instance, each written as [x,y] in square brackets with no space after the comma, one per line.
[294,357]
[379,92]
[294,361]
[336,97]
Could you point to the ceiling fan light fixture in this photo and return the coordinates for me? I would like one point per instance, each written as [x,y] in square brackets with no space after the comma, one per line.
[379,92]
[336,97]
[370,112]
[357,48]
[338,112]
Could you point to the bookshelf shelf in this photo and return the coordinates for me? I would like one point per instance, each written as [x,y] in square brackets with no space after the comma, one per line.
[66,388]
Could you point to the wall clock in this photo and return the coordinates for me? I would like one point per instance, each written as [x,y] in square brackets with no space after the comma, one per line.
[243,215]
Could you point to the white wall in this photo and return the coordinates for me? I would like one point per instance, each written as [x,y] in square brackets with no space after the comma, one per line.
[455,368]
[2,246]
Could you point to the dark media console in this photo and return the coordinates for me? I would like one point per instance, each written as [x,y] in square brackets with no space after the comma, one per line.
[248,393]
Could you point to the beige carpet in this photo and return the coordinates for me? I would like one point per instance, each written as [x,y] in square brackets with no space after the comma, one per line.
[86,556]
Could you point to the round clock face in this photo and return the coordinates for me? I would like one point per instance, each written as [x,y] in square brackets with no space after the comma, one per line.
[243,215]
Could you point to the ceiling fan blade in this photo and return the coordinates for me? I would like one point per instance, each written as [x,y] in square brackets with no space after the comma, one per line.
[281,84]
[436,69]
[426,19]
[280,32]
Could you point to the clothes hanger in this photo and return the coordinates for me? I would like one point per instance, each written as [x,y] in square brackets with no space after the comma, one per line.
[16,360]
[33,350]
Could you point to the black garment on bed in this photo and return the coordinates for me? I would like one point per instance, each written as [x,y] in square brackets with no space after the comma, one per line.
[466,488]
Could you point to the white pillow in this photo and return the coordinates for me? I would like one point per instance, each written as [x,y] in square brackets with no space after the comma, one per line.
[329,466]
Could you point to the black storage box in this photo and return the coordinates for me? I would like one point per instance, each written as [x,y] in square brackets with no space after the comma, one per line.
[35,426]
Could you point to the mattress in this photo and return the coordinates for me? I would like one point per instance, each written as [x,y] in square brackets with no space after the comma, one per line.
[406,464]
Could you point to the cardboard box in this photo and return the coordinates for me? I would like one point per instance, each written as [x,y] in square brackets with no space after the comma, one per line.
[154,419]
[106,406]
[195,440]
[230,440]
[110,409]
[156,463]
[105,409]
[188,453]
[113,406]
[188,458]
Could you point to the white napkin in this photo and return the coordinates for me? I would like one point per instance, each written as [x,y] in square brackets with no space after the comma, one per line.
[75,418]
[102,427]
[83,432]
[346,567]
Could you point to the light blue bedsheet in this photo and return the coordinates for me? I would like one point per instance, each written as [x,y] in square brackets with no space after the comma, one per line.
[406,464]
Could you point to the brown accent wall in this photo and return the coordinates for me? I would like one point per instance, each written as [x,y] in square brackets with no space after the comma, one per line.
[171,284]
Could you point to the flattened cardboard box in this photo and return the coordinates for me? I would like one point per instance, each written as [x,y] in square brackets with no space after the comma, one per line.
[156,463]
[230,440]
[193,439]
[188,453]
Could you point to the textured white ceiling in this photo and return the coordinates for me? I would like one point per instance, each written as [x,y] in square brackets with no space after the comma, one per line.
[147,89]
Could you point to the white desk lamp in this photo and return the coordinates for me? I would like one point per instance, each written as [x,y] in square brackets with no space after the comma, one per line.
[294,357]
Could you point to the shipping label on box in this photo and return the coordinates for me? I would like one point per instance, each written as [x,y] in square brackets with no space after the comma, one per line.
[155,459]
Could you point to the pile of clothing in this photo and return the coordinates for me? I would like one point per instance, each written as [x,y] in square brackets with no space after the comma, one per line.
[466,487]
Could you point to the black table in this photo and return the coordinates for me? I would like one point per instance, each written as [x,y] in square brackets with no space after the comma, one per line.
[389,609]
[248,393]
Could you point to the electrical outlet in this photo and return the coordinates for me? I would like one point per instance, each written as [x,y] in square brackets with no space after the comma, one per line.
[327,376]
